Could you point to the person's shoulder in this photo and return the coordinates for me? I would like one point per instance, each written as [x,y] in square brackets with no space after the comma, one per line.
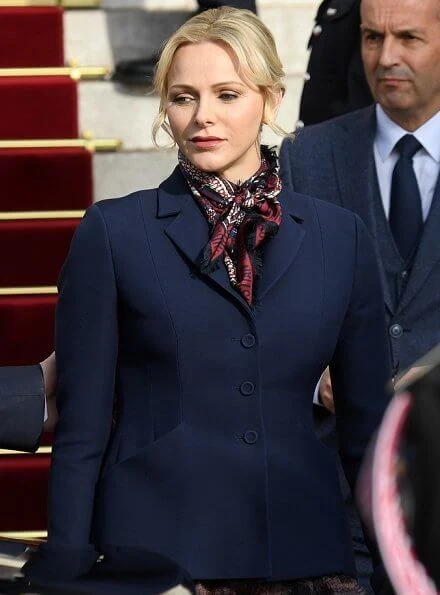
[124,204]
[305,206]
[329,126]
[123,210]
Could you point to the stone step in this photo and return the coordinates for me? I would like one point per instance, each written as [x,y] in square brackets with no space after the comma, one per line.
[105,36]
[118,174]
[125,29]
[111,111]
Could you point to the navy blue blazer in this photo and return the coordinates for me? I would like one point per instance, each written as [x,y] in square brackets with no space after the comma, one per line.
[21,407]
[212,459]
[334,161]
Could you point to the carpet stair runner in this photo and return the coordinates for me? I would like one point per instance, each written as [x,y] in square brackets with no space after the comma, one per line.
[21,47]
[38,107]
[46,173]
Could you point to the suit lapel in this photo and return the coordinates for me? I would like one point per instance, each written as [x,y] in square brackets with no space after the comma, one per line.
[428,253]
[283,248]
[354,165]
[189,232]
[353,156]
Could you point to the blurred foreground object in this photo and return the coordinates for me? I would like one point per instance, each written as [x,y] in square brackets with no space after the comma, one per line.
[14,553]
[406,483]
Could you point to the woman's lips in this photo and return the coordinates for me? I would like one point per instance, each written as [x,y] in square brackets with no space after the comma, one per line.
[206,142]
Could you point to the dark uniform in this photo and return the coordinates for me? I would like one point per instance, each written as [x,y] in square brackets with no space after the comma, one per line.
[335,82]
[207,4]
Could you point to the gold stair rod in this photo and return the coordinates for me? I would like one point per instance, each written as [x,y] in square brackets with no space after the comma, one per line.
[46,290]
[31,537]
[63,3]
[43,450]
[77,73]
[25,215]
[92,145]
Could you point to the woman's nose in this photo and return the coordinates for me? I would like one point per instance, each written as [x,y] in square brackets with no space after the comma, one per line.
[204,114]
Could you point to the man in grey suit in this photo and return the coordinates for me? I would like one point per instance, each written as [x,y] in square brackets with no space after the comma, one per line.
[383,162]
[27,399]
[358,161]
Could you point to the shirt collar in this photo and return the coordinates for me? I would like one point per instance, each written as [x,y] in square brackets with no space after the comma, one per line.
[388,133]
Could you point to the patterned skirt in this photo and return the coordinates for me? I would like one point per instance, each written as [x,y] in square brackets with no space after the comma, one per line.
[324,585]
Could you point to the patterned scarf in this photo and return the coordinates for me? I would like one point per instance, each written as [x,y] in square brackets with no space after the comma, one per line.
[242,218]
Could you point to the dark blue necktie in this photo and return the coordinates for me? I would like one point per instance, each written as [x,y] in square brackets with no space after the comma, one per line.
[406,220]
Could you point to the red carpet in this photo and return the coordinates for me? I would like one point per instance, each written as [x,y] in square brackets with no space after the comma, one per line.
[33,251]
[36,251]
[38,107]
[31,37]
[45,179]
[18,513]
[27,324]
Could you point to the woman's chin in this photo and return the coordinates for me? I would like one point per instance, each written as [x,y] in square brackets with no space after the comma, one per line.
[206,162]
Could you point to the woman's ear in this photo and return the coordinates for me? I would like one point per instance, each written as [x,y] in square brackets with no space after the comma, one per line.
[272,105]
[277,99]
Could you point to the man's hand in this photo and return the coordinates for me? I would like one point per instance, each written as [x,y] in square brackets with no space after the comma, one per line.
[326,391]
[49,369]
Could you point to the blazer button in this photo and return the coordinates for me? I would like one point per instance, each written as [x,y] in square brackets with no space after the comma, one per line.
[248,341]
[250,436]
[396,331]
[247,388]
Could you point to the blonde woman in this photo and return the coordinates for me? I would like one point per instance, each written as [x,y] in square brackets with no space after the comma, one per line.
[206,310]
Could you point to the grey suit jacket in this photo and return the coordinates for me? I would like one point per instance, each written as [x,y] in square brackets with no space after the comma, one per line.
[21,407]
[334,161]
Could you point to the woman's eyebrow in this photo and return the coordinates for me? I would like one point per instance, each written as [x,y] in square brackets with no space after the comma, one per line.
[215,85]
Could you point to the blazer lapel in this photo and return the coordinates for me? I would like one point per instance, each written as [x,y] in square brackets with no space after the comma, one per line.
[282,249]
[353,156]
[428,254]
[189,232]
[189,229]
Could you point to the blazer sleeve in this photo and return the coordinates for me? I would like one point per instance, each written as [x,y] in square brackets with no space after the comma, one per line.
[360,367]
[21,407]
[86,347]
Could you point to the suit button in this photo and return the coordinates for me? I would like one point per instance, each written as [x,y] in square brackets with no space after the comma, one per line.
[331,12]
[396,331]
[250,436]
[307,77]
[247,388]
[248,341]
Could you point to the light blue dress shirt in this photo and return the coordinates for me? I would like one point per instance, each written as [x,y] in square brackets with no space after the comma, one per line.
[426,162]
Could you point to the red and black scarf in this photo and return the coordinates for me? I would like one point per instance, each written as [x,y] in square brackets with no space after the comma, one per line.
[242,218]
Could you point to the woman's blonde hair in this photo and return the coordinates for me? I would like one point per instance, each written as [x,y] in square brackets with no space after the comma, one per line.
[251,42]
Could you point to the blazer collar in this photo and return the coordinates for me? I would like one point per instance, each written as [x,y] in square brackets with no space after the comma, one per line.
[189,231]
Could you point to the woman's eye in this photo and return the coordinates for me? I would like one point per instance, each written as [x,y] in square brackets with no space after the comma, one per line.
[182,99]
[228,96]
